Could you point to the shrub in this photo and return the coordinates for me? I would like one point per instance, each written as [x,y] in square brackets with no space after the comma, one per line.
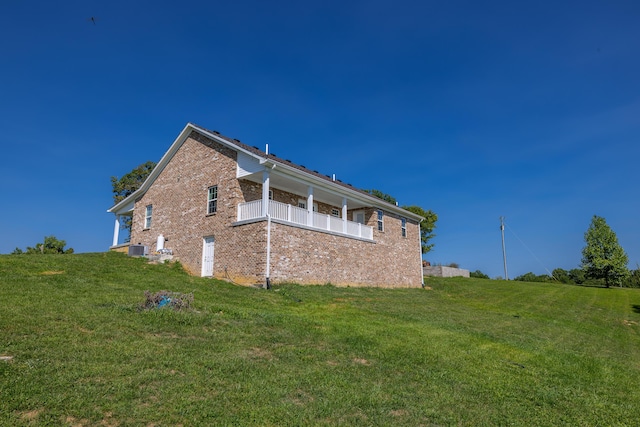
[478,274]
[51,245]
[531,277]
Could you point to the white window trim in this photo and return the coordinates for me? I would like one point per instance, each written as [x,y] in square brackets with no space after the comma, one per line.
[302,204]
[148,214]
[380,219]
[210,199]
[403,222]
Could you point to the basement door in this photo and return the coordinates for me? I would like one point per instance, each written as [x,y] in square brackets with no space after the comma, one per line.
[207,257]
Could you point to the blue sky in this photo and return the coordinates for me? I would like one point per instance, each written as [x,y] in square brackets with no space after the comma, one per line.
[475,110]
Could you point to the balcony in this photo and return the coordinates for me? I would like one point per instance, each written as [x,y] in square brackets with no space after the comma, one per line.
[298,216]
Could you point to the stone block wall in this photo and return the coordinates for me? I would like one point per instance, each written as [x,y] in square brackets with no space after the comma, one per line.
[442,271]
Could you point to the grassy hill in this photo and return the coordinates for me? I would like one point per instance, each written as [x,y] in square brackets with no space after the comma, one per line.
[77,351]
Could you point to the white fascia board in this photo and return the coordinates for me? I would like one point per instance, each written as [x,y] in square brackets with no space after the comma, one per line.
[177,143]
[330,186]
[124,209]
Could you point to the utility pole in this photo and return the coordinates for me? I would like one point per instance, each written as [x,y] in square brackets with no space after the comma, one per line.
[504,251]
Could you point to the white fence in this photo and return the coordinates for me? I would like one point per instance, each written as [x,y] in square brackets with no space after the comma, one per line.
[296,215]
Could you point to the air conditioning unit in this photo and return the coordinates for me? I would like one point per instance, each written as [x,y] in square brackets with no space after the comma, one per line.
[138,250]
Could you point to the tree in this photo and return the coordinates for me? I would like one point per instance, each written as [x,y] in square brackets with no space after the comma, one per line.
[531,277]
[633,280]
[577,276]
[384,196]
[561,275]
[128,184]
[427,226]
[478,274]
[51,245]
[603,257]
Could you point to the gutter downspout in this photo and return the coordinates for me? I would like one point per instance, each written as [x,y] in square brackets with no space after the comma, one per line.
[265,207]
[420,249]
[268,251]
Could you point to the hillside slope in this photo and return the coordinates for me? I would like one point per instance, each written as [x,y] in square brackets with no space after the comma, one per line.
[77,350]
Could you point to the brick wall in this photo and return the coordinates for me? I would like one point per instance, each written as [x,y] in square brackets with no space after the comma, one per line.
[343,261]
[179,199]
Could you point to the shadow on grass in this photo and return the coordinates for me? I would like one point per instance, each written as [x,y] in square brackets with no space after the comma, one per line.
[636,308]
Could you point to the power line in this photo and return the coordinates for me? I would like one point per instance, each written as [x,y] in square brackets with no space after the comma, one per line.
[527,248]
[504,251]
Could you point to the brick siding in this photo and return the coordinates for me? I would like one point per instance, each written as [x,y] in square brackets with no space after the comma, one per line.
[179,200]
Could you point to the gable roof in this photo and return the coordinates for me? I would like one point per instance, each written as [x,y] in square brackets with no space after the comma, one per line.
[126,205]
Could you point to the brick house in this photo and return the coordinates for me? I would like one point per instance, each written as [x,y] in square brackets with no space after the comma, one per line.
[232,211]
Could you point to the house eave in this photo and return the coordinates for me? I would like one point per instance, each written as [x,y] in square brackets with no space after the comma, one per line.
[334,187]
[324,183]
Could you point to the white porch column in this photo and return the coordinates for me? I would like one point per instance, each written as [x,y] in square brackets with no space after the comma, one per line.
[116,231]
[310,206]
[344,215]
[265,192]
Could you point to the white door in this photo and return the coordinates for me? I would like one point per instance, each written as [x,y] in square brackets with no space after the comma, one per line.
[358,216]
[207,257]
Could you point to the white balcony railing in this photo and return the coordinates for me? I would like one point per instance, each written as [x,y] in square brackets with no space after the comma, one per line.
[296,215]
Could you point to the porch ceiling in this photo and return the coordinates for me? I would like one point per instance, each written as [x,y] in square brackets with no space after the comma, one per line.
[285,183]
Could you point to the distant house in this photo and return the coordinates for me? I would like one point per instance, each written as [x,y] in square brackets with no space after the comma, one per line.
[232,211]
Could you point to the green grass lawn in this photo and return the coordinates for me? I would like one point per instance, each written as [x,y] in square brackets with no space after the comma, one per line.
[465,352]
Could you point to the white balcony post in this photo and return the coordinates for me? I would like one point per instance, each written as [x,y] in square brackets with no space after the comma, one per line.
[344,215]
[116,231]
[265,192]
[310,206]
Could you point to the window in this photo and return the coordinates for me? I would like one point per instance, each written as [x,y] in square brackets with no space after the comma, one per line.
[380,222]
[212,199]
[302,204]
[270,194]
[404,227]
[335,212]
[147,216]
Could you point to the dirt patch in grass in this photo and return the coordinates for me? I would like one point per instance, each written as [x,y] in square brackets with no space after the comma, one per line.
[361,361]
[31,415]
[629,322]
[301,398]
[108,420]
[51,273]
[74,422]
[258,353]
